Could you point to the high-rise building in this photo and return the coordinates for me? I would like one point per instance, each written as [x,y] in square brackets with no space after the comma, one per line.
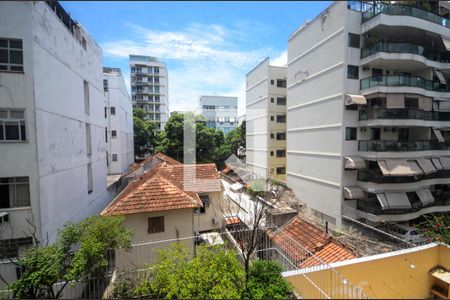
[150,88]
[53,166]
[369,108]
[119,114]
[220,112]
[266,121]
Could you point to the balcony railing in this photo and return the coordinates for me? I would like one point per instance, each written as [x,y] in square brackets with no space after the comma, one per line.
[402,114]
[402,80]
[405,10]
[399,146]
[376,176]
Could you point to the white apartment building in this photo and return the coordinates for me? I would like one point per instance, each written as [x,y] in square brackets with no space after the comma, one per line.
[53,166]
[119,115]
[266,121]
[220,112]
[369,110]
[150,88]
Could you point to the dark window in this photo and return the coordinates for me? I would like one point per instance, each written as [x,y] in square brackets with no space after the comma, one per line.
[105,85]
[155,224]
[10,248]
[14,192]
[271,100]
[350,133]
[281,170]
[11,55]
[113,133]
[106,134]
[12,125]
[411,102]
[205,201]
[375,134]
[281,101]
[281,136]
[281,118]
[113,110]
[281,153]
[271,153]
[106,112]
[272,136]
[353,40]
[281,83]
[403,134]
[90,179]
[272,82]
[352,72]
[114,157]
[272,118]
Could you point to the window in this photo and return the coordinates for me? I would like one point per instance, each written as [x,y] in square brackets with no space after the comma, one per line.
[281,83]
[281,118]
[106,112]
[281,101]
[281,136]
[88,140]
[281,170]
[114,134]
[12,125]
[107,158]
[11,248]
[271,153]
[350,133]
[106,134]
[272,118]
[272,136]
[272,82]
[352,72]
[281,153]
[411,103]
[105,85]
[14,192]
[86,96]
[156,80]
[90,180]
[353,40]
[205,202]
[271,100]
[155,224]
[156,70]
[113,110]
[11,55]
[114,157]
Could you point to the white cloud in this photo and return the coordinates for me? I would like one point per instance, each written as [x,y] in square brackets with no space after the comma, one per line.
[202,59]
[280,60]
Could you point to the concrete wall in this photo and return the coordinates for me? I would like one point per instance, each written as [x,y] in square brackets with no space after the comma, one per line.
[204,222]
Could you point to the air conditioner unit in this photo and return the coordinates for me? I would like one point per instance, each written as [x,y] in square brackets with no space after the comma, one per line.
[363,129]
[4,217]
[365,68]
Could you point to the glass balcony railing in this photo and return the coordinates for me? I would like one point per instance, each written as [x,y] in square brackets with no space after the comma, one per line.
[376,176]
[399,146]
[402,80]
[402,114]
[404,10]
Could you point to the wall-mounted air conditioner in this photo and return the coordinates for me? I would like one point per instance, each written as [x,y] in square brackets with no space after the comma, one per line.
[4,217]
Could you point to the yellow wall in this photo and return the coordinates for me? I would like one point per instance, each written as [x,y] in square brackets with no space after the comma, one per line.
[386,277]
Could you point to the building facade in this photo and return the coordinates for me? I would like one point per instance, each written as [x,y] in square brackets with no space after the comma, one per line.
[150,88]
[220,112]
[119,114]
[266,121]
[53,166]
[368,110]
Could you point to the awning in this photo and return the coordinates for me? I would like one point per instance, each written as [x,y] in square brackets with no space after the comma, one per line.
[437,164]
[426,165]
[395,101]
[438,134]
[355,99]
[383,201]
[398,200]
[445,161]
[353,192]
[394,167]
[425,196]
[440,76]
[446,42]
[354,162]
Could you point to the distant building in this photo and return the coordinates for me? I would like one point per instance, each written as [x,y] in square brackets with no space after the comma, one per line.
[119,114]
[220,112]
[150,88]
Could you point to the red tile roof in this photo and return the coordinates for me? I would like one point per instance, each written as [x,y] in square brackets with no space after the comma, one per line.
[159,155]
[195,178]
[232,220]
[330,253]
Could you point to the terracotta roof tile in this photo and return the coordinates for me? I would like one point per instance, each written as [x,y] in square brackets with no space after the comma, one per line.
[200,177]
[232,220]
[159,155]
[330,253]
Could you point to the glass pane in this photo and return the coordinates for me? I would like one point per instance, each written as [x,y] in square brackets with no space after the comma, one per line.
[22,195]
[16,57]
[16,114]
[21,179]
[3,67]
[12,131]
[16,68]
[15,44]
[4,195]
[2,137]
[3,56]
[3,114]
[23,131]
[3,43]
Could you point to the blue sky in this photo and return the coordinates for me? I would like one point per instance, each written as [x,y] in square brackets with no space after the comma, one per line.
[208,46]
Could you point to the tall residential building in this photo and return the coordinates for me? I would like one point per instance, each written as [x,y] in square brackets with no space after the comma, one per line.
[53,166]
[150,88]
[369,104]
[266,121]
[119,114]
[220,112]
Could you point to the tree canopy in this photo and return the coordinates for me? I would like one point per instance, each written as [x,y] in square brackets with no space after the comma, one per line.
[145,134]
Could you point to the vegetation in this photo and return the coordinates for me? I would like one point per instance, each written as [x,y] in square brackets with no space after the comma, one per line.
[145,134]
[437,228]
[79,253]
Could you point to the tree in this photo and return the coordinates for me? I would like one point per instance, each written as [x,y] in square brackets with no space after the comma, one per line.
[145,133]
[266,281]
[437,228]
[79,252]
[235,139]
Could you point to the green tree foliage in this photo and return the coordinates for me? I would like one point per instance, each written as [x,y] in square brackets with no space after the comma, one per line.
[437,228]
[79,252]
[145,134]
[266,282]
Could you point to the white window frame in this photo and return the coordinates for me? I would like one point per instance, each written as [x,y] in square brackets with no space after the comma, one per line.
[8,48]
[9,119]
[13,185]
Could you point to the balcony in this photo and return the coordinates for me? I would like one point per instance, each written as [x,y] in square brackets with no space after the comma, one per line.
[402,114]
[404,10]
[401,146]
[376,176]
[402,80]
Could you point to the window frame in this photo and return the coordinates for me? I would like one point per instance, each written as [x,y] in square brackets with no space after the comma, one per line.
[280,153]
[281,83]
[112,110]
[281,101]
[8,50]
[14,200]
[280,173]
[352,43]
[159,227]
[20,123]
[113,134]
[114,157]
[350,74]
[351,133]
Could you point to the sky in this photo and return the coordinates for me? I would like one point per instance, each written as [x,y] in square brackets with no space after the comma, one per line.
[208,47]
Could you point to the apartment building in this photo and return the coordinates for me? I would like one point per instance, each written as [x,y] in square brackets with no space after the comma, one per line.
[53,166]
[220,112]
[119,115]
[266,121]
[150,88]
[369,108]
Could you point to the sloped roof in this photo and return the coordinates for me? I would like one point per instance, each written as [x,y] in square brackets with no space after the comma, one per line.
[194,178]
[159,155]
[330,253]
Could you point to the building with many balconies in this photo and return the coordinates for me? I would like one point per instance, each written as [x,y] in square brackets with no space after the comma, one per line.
[369,111]
[220,112]
[150,88]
